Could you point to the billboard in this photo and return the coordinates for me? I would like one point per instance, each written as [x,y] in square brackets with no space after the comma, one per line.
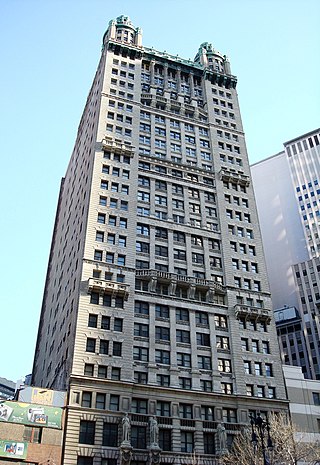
[12,449]
[36,395]
[30,414]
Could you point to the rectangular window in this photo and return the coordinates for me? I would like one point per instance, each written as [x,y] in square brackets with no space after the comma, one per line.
[162,333]
[110,434]
[138,437]
[183,360]
[91,345]
[114,403]
[141,354]
[162,356]
[87,432]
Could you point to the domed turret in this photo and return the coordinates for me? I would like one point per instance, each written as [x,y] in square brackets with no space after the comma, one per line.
[123,30]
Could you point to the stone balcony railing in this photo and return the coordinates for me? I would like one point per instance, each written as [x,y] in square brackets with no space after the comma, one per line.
[117,147]
[255,312]
[230,175]
[173,280]
[108,287]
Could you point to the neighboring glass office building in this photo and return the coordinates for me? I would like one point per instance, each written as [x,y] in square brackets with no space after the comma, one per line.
[287,189]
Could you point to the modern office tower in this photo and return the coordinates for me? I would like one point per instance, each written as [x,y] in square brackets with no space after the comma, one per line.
[288,199]
[156,301]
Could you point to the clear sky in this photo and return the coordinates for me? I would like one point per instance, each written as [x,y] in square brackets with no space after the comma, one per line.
[49,53]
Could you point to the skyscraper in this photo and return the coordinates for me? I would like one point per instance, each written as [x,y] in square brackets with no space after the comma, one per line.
[288,198]
[156,301]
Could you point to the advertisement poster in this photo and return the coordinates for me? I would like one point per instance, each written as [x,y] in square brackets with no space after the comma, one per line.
[36,395]
[30,414]
[13,449]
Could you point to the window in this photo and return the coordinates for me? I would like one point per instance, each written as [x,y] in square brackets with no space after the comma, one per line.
[186,441]
[197,258]
[269,371]
[92,321]
[272,393]
[141,330]
[163,380]
[203,339]
[260,391]
[249,390]
[141,354]
[220,321]
[141,377]
[82,460]
[223,343]
[229,415]
[87,432]
[112,220]
[162,333]
[109,257]
[139,405]
[138,437]
[32,434]
[207,413]
[101,218]
[102,371]
[182,314]
[88,369]
[141,307]
[265,347]
[104,347]
[100,401]
[86,400]
[143,229]
[161,233]
[142,247]
[247,367]
[179,254]
[165,439]
[162,356]
[184,383]
[117,349]
[183,336]
[161,250]
[91,345]
[255,345]
[258,368]
[163,409]
[202,318]
[106,301]
[183,360]
[123,223]
[226,388]
[204,362]
[224,365]
[110,434]
[114,402]
[162,311]
[116,373]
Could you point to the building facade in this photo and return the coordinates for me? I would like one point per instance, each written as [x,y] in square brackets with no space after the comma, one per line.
[31,428]
[7,389]
[289,183]
[304,397]
[156,313]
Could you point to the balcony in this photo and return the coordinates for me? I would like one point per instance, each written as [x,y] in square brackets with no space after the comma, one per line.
[108,287]
[255,312]
[234,176]
[117,147]
[192,284]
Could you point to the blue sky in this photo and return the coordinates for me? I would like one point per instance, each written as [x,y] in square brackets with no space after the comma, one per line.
[50,50]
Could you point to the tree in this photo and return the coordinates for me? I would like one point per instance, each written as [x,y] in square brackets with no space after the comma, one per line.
[289,446]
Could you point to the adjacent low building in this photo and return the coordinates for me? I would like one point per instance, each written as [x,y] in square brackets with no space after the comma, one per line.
[304,397]
[31,429]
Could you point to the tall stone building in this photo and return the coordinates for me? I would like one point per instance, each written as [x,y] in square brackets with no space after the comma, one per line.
[156,301]
[288,198]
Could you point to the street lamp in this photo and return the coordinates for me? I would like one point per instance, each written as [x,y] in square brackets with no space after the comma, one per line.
[260,430]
